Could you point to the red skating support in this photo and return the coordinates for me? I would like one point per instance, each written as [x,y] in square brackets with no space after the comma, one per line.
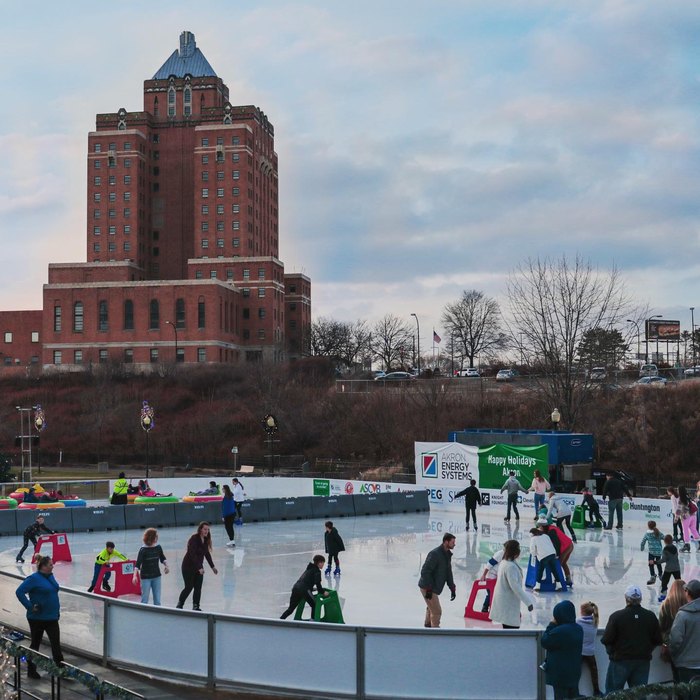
[61,548]
[488,585]
[122,579]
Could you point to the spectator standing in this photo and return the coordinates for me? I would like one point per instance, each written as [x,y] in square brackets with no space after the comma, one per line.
[509,592]
[684,640]
[228,514]
[539,486]
[563,640]
[334,546]
[672,493]
[238,496]
[121,491]
[588,622]
[669,556]
[630,638]
[38,593]
[542,548]
[103,558]
[472,499]
[435,573]
[147,566]
[614,490]
[30,534]
[654,539]
[687,513]
[560,511]
[303,588]
[198,549]
[667,614]
[512,487]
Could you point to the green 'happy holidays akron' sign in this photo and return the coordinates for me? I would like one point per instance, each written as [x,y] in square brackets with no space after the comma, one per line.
[497,461]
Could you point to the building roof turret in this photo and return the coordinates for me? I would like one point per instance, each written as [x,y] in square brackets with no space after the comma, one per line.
[187,60]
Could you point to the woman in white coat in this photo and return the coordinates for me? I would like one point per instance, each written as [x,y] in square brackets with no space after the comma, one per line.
[509,592]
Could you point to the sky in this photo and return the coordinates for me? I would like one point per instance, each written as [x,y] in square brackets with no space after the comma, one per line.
[425,147]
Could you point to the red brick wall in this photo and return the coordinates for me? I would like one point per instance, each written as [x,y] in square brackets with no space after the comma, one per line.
[18,345]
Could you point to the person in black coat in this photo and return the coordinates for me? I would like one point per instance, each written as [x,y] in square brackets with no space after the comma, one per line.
[30,535]
[304,586]
[334,545]
[472,498]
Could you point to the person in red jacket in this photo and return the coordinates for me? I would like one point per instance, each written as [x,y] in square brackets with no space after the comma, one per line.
[198,549]
[563,545]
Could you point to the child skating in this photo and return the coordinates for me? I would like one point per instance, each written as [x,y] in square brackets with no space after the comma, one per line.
[109,552]
[669,557]
[334,545]
[302,589]
[654,539]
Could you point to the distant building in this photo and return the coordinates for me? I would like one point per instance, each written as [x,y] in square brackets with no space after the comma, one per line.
[182,239]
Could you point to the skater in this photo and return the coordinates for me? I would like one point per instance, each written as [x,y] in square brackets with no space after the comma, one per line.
[592,507]
[655,541]
[560,511]
[684,640]
[302,589]
[109,552]
[542,549]
[672,493]
[228,514]
[238,496]
[121,491]
[588,621]
[491,572]
[509,592]
[435,573]
[540,486]
[614,490]
[198,549]
[669,556]
[213,490]
[667,614]
[38,593]
[147,566]
[30,534]
[334,545]
[563,545]
[686,512]
[563,640]
[472,499]
[512,486]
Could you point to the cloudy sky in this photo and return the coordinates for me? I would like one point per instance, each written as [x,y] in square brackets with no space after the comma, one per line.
[425,147]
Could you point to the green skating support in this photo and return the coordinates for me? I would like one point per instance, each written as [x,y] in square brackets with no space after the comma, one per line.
[578,522]
[327,609]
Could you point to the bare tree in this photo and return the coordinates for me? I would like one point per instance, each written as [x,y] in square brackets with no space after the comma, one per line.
[391,341]
[474,325]
[339,340]
[553,304]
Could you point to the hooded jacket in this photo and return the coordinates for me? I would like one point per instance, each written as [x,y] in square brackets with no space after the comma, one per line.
[563,641]
[684,640]
[512,486]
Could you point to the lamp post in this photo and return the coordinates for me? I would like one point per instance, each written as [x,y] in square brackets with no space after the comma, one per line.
[692,333]
[555,418]
[269,423]
[646,339]
[636,325]
[418,335]
[148,420]
[170,323]
[39,424]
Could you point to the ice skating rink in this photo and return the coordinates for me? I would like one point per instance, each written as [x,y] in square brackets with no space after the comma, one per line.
[380,568]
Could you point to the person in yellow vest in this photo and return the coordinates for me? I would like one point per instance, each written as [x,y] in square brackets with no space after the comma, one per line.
[109,552]
[121,488]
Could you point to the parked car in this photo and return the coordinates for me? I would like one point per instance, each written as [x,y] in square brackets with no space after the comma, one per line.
[505,375]
[470,372]
[692,372]
[648,371]
[653,381]
[598,374]
[378,374]
[396,377]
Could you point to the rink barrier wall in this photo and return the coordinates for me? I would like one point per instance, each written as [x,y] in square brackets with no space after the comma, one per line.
[142,515]
[351,662]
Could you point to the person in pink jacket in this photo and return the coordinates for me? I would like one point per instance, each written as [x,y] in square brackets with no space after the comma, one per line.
[540,486]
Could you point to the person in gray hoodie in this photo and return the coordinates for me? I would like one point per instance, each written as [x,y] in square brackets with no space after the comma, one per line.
[684,640]
[512,486]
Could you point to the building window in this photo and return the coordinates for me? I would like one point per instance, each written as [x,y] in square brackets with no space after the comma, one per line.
[128,356]
[127,162]
[212,274]
[112,213]
[156,138]
[236,175]
[35,336]
[96,214]
[292,288]
[127,146]
[8,337]
[127,229]
[98,164]
[111,162]
[205,175]
[261,312]
[236,208]
[205,242]
[171,102]
[220,175]
[205,208]
[235,140]
[154,315]
[261,292]
[261,273]
[205,192]
[219,225]
[220,192]
[102,316]
[236,242]
[201,313]
[127,181]
[127,213]
[78,317]
[246,274]
[292,324]
[127,246]
[112,230]
[236,191]
[97,197]
[179,313]
[127,196]
[246,334]
[236,157]
[128,315]
[201,354]
[112,247]
[220,209]
[57,357]
[154,354]
[261,334]
[246,314]
[198,275]
[205,225]
[57,318]
[219,242]
[246,292]
[98,148]
[205,142]
[112,196]
[96,230]
[96,247]
[104,356]
[78,357]
[292,307]
[229,274]
[236,225]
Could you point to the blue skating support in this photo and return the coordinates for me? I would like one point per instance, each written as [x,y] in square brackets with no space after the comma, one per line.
[531,575]
[548,585]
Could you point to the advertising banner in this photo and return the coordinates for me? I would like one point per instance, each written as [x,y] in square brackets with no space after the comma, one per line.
[497,461]
[663,330]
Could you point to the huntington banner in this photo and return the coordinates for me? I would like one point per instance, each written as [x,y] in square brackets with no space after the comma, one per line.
[445,468]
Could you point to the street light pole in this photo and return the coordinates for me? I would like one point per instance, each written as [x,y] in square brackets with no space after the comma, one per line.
[692,334]
[418,334]
[175,329]
[636,325]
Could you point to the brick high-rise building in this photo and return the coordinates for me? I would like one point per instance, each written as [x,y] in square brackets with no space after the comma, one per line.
[182,235]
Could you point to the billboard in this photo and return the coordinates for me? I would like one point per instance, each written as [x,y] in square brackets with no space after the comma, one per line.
[663,330]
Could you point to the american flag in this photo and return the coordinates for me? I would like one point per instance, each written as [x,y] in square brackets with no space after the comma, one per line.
[436,338]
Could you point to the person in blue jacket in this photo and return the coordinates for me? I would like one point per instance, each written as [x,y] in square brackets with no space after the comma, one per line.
[563,640]
[39,595]
[228,514]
